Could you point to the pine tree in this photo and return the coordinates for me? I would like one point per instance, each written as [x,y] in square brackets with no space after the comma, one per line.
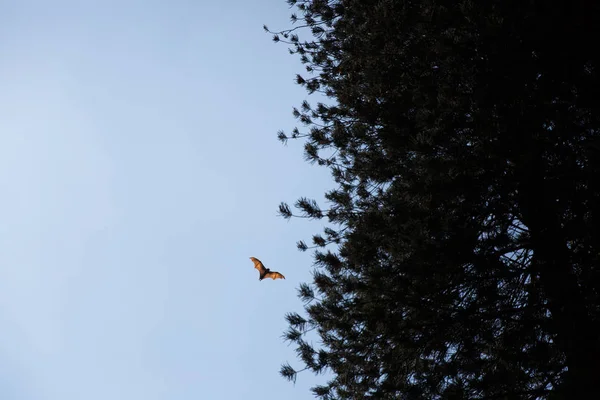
[462,257]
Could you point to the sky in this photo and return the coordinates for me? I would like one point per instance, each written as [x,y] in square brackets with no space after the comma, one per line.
[139,171]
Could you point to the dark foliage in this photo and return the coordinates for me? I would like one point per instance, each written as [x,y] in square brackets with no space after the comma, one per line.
[462,255]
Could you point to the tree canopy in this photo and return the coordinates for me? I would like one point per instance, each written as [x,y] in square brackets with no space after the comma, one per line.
[462,254]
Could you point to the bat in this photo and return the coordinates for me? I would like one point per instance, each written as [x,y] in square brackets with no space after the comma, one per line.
[265,272]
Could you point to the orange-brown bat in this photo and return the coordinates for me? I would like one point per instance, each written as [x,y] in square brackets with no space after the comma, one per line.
[265,272]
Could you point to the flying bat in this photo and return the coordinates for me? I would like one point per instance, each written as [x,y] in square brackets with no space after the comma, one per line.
[265,272]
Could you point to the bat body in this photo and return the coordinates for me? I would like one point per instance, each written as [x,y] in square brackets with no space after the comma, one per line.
[265,272]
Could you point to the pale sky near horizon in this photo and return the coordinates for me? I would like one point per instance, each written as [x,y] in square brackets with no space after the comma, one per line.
[139,171]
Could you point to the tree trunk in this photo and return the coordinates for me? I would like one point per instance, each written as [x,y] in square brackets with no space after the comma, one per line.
[576,333]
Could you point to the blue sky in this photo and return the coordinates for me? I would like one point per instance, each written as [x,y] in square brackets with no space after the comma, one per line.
[139,169]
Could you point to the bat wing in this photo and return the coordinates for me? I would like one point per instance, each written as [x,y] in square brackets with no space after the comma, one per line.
[274,275]
[258,265]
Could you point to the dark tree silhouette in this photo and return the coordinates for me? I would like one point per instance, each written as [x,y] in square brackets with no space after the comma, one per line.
[462,256]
